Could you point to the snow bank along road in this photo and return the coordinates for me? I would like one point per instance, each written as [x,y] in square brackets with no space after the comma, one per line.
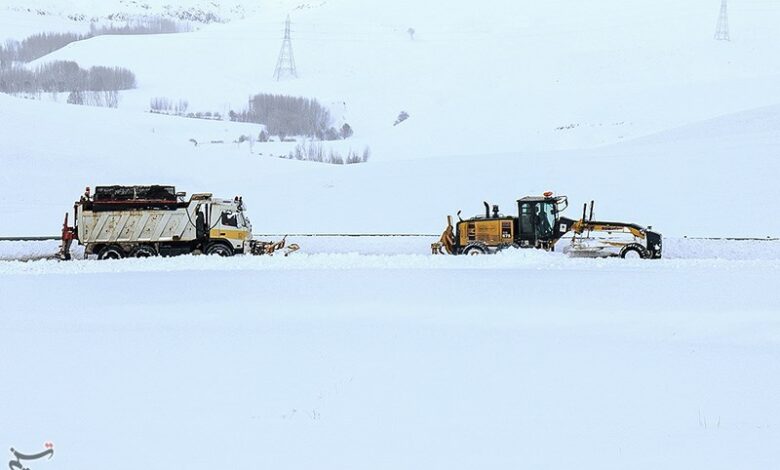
[674,248]
[520,360]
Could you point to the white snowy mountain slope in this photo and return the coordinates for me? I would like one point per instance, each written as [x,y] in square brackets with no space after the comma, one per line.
[709,179]
[494,94]
[501,76]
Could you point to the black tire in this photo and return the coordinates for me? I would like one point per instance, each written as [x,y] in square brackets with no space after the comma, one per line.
[219,248]
[475,248]
[111,252]
[142,251]
[633,252]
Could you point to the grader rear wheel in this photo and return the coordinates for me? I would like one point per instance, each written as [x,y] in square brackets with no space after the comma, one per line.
[475,249]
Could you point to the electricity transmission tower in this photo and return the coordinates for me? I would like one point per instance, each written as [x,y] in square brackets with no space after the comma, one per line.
[722,30]
[285,65]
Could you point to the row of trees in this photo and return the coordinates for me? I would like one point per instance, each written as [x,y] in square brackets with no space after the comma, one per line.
[162,105]
[39,45]
[286,115]
[35,46]
[145,25]
[65,76]
[107,99]
[314,152]
[281,115]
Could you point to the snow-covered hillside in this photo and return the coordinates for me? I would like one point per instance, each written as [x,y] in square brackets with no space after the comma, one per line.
[494,96]
[510,76]
[79,11]
[708,179]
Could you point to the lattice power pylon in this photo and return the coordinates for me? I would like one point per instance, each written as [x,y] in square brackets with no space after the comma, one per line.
[722,30]
[285,65]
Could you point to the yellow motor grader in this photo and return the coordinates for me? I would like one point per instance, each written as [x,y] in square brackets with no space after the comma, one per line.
[539,224]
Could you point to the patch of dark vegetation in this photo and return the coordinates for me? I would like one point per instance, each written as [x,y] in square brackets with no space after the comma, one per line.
[64,76]
[287,115]
[38,45]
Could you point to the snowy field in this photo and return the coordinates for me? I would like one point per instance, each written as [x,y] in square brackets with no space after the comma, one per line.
[388,361]
[370,353]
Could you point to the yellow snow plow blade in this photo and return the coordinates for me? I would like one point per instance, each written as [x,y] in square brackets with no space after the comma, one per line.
[269,248]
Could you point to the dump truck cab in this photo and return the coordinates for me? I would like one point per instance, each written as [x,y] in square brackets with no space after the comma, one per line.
[222,220]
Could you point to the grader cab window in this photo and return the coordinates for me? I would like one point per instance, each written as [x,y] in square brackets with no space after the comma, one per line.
[527,219]
[537,220]
[545,220]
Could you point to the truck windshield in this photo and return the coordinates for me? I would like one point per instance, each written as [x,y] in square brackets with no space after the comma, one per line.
[230,219]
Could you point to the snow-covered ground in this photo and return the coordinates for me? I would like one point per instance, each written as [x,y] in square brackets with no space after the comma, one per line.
[336,361]
[378,246]
[369,353]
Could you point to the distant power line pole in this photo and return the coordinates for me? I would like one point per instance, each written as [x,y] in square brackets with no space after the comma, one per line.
[722,30]
[285,65]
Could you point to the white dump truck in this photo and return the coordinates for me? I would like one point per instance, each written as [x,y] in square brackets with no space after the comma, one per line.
[142,221]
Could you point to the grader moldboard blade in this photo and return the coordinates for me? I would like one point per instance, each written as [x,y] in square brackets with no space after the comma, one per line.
[446,241]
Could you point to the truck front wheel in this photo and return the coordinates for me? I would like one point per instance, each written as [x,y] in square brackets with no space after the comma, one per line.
[219,248]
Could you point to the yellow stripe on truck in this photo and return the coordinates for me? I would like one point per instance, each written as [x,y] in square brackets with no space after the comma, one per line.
[229,234]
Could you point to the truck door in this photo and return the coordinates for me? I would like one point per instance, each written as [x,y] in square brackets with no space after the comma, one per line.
[201,226]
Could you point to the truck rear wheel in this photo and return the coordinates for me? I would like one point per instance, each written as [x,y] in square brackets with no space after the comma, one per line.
[219,248]
[111,252]
[142,251]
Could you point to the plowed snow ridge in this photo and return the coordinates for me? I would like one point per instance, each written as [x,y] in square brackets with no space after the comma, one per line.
[342,253]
